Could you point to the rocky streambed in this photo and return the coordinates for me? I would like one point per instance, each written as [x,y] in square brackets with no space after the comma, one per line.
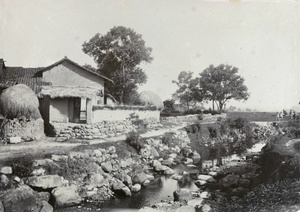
[98,178]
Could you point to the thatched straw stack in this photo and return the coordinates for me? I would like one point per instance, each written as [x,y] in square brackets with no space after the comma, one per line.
[149,98]
[18,101]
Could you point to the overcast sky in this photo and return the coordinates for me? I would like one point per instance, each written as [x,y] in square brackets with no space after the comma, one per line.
[260,38]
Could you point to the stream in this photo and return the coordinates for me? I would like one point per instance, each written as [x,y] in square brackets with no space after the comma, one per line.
[161,188]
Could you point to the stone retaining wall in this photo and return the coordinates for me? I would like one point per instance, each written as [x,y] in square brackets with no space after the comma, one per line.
[102,129]
[28,130]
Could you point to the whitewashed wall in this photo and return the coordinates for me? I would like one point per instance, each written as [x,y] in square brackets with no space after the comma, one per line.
[121,114]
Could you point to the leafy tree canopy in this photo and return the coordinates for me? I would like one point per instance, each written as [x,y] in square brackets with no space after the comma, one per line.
[188,91]
[222,83]
[118,54]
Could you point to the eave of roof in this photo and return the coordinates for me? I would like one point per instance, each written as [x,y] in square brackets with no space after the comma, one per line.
[70,61]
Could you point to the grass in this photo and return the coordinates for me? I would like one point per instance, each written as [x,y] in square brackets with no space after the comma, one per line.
[255,116]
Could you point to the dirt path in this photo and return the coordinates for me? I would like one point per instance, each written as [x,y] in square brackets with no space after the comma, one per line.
[50,146]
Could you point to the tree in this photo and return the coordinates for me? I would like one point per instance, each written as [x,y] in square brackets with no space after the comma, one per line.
[188,91]
[169,105]
[118,55]
[220,84]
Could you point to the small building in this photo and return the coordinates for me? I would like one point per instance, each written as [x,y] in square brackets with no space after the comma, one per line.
[67,91]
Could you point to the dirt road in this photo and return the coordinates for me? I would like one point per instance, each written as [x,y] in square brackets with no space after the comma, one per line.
[50,146]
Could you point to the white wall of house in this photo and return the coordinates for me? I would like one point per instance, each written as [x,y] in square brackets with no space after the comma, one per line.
[58,110]
[69,75]
[119,115]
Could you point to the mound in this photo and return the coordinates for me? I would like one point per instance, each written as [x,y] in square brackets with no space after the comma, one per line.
[149,98]
[19,100]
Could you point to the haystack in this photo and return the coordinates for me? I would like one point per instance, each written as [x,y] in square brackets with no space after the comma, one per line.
[149,98]
[19,101]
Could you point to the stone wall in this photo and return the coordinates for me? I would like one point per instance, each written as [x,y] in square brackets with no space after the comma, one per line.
[102,129]
[28,130]
[191,118]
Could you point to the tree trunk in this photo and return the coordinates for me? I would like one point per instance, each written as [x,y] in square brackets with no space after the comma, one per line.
[219,161]
[220,106]
[213,104]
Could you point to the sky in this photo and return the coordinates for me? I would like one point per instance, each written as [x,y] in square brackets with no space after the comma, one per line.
[260,38]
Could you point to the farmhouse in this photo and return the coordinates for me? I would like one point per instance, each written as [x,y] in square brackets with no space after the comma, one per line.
[66,91]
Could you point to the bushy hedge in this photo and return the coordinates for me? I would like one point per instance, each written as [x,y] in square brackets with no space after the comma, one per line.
[22,166]
[270,197]
[134,139]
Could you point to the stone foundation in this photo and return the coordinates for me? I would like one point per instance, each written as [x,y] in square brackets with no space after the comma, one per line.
[28,130]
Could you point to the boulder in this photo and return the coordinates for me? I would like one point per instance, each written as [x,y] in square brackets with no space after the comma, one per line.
[206,178]
[196,157]
[65,196]
[127,180]
[95,180]
[46,207]
[15,140]
[185,208]
[38,172]
[139,178]
[107,167]
[22,198]
[46,181]
[120,188]
[213,174]
[161,168]
[156,163]
[117,185]
[59,157]
[6,170]
[205,208]
[195,202]
[150,177]
[42,162]
[182,194]
[136,187]
[167,162]
[17,179]
[126,192]
[4,180]
[230,181]
[188,161]
[177,177]
[200,183]
[173,155]
[44,196]
[169,171]
[146,182]
[97,153]
[112,149]
[204,195]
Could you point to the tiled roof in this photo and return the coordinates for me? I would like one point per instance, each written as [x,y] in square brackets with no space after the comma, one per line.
[18,75]
[32,77]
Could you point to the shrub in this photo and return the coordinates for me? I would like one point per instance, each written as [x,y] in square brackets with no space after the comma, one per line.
[170,140]
[21,166]
[213,132]
[278,196]
[133,139]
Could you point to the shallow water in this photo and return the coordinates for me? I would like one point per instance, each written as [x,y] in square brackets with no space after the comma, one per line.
[161,188]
